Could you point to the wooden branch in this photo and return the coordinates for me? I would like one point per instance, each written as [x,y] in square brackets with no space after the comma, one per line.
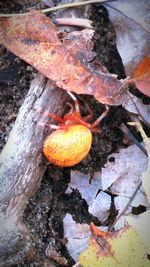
[22,165]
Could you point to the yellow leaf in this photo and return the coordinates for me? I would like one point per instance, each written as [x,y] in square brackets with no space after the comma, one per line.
[116,249]
[141,224]
[146,175]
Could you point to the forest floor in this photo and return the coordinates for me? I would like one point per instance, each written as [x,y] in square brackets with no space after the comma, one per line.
[46,209]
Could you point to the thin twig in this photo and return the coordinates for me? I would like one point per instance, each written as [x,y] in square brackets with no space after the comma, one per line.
[126,207]
[75,4]
[68,5]
[125,129]
[128,204]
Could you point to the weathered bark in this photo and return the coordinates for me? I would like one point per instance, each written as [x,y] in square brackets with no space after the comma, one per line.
[22,166]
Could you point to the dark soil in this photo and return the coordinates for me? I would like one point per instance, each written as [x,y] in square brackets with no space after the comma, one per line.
[45,211]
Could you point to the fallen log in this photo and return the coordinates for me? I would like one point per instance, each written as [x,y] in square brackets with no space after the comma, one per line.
[22,166]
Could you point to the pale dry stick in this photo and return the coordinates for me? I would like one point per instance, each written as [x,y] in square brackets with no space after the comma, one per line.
[68,5]
[84,23]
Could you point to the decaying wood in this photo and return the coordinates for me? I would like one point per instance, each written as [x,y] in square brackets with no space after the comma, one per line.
[22,165]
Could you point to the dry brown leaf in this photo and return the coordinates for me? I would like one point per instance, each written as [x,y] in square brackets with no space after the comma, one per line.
[33,37]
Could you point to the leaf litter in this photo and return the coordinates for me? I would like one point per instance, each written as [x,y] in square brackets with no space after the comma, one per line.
[34,38]
[146,173]
[98,202]
[117,184]
[126,169]
[131,22]
[135,105]
[77,236]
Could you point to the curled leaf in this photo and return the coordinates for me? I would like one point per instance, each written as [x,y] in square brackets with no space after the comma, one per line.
[33,37]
